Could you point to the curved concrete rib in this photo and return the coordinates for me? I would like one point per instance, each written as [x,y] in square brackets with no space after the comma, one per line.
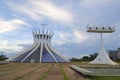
[41,41]
[41,46]
[57,52]
[50,53]
[48,48]
[41,51]
[24,51]
[31,52]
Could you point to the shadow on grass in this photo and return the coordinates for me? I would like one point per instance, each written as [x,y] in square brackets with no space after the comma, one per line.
[104,77]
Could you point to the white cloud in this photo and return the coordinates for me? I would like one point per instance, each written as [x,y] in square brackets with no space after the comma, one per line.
[74,36]
[79,36]
[85,12]
[10,25]
[94,3]
[7,47]
[23,42]
[37,9]
[13,46]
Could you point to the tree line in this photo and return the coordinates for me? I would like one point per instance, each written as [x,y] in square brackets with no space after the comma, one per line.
[85,58]
[3,57]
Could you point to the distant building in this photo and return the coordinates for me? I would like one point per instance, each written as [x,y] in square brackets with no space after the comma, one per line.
[113,54]
[118,53]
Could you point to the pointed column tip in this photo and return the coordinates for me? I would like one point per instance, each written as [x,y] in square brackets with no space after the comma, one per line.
[37,31]
[52,34]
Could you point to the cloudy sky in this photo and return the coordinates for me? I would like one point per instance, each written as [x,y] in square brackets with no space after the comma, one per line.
[66,18]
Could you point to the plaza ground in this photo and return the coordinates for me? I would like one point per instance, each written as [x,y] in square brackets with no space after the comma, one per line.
[44,71]
[39,71]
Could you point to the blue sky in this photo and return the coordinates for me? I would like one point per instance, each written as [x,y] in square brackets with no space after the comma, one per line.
[66,18]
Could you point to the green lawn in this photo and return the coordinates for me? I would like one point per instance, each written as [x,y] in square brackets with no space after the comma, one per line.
[104,77]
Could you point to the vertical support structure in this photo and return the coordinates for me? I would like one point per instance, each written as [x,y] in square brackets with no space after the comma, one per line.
[102,57]
[102,49]
[41,49]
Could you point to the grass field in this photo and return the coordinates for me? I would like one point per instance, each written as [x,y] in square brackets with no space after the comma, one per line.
[38,71]
[104,78]
[44,71]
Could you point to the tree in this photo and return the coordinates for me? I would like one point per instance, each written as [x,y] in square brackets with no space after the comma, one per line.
[74,59]
[3,57]
[93,56]
[85,58]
